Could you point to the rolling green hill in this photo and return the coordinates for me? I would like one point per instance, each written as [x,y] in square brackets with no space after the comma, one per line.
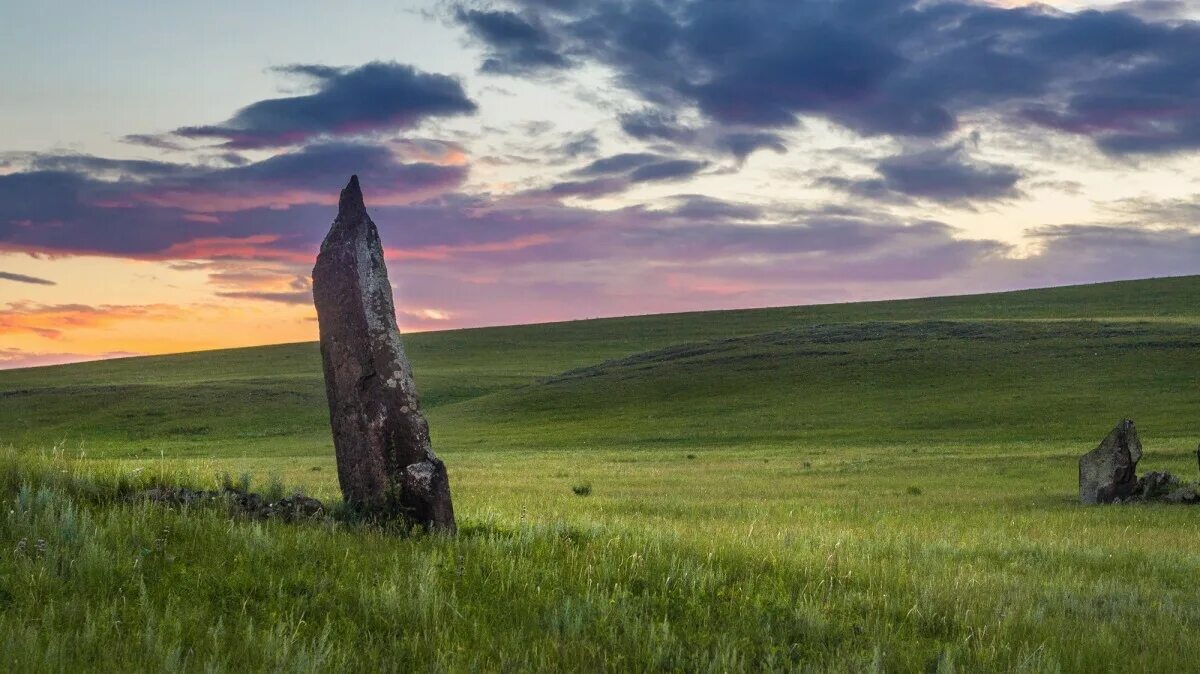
[1035,365]
[883,486]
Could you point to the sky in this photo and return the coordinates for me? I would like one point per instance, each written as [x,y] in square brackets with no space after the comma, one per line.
[168,170]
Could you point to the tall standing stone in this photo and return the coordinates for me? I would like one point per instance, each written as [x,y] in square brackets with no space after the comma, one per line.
[1109,472]
[386,465]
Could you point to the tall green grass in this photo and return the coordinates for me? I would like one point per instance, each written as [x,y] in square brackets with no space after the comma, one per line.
[875,487]
[867,582]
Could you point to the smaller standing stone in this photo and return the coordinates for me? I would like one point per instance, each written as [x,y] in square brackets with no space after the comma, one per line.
[1155,485]
[1108,473]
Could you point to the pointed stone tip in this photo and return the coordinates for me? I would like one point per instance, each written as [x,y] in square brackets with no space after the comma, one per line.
[351,201]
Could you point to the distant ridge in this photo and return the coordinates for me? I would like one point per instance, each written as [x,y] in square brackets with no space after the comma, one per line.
[1176,297]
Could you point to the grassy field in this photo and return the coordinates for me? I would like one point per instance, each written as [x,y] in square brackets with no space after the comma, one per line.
[880,486]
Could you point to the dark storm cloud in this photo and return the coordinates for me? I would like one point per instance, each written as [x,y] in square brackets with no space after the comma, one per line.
[944,175]
[554,5]
[642,167]
[233,159]
[656,125]
[868,188]
[69,213]
[1127,78]
[157,211]
[587,189]
[674,169]
[619,163]
[698,207]
[1125,123]
[617,173]
[651,124]
[131,169]
[157,141]
[476,253]
[743,144]
[154,217]
[580,144]
[947,175]
[32,197]
[260,225]
[348,101]
[516,44]
[1157,9]
[22,278]
[309,169]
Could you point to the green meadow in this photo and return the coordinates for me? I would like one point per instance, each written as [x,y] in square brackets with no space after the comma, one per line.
[885,486]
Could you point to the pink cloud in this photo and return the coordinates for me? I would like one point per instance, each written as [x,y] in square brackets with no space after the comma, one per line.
[445,252]
[16,358]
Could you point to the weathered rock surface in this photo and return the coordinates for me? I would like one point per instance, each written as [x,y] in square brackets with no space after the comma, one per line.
[1109,472]
[1183,495]
[386,465]
[1154,485]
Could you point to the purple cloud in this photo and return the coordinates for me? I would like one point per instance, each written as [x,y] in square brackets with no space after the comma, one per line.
[619,164]
[272,208]
[376,97]
[255,229]
[673,169]
[702,208]
[946,174]
[617,173]
[1127,77]
[517,44]
[586,189]
[655,124]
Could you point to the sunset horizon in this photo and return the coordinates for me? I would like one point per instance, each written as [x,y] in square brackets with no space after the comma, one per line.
[52,359]
[531,161]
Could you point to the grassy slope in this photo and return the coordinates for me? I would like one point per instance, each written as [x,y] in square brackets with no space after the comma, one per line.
[269,399]
[836,487]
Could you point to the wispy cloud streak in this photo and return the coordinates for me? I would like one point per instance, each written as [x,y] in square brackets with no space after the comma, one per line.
[22,278]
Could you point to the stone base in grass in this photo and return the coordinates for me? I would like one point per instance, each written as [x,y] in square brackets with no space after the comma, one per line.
[1162,486]
[241,503]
